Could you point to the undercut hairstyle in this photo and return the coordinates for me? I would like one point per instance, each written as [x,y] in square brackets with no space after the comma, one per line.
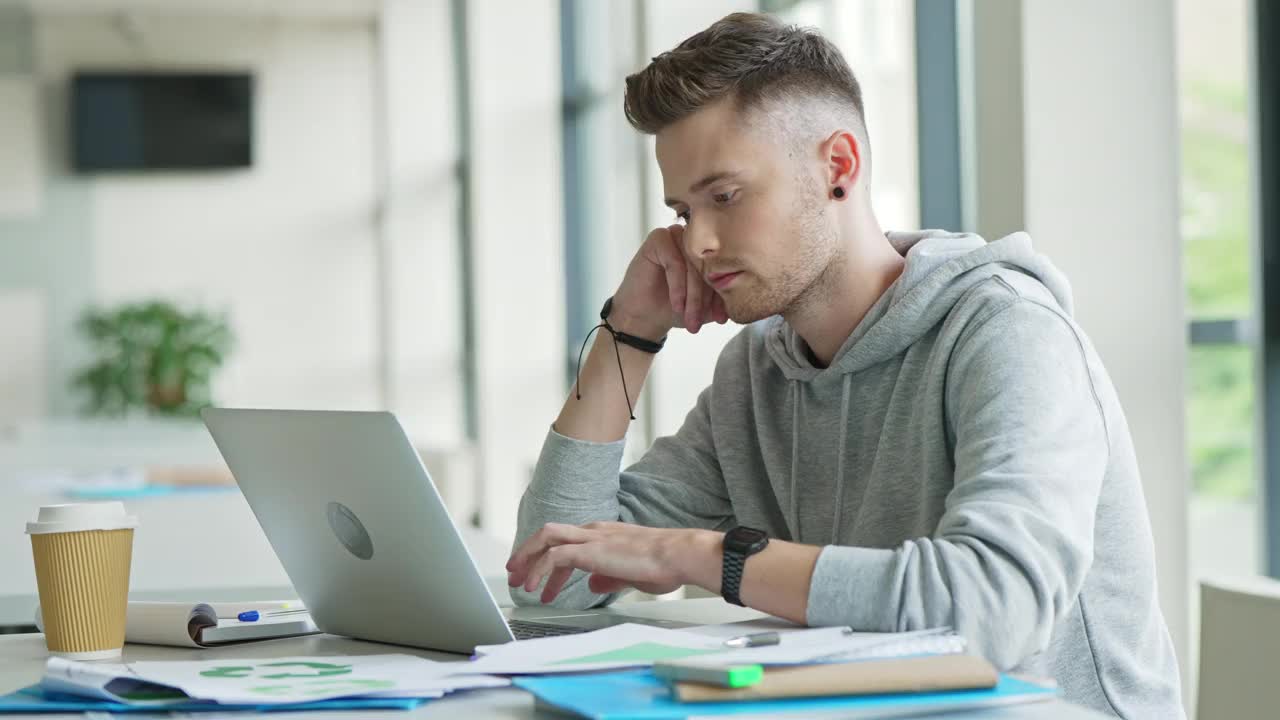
[791,78]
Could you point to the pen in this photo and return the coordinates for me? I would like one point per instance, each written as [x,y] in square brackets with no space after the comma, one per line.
[254,615]
[759,639]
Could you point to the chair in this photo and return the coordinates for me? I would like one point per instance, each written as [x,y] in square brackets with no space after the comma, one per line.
[1239,649]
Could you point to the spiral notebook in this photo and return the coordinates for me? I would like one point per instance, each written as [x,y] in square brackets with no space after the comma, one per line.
[181,624]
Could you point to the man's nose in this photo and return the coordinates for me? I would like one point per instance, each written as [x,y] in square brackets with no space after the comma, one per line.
[700,241]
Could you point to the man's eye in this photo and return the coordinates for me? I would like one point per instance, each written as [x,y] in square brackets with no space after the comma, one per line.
[724,197]
[683,216]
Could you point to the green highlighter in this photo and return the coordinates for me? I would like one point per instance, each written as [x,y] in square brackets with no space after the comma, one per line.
[708,672]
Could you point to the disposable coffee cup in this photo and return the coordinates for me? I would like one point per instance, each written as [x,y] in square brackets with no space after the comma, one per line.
[82,554]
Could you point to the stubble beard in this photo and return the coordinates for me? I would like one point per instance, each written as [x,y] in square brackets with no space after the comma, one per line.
[801,284]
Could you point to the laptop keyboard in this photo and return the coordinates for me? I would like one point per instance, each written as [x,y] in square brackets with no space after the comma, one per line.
[528,630]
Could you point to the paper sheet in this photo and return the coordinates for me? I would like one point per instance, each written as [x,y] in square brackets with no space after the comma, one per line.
[84,679]
[731,630]
[264,681]
[838,644]
[619,646]
[632,645]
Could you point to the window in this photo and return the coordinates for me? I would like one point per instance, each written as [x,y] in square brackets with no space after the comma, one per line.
[1218,252]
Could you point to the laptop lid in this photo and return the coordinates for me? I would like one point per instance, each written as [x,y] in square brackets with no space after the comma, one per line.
[359,527]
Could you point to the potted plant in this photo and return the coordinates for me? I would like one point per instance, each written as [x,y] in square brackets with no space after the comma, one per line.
[151,356]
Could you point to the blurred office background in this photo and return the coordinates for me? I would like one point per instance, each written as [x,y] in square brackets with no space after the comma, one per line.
[437,195]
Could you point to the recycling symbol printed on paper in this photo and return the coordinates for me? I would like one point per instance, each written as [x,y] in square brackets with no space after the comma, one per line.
[269,671]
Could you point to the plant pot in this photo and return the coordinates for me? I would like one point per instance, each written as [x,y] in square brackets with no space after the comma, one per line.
[166,397]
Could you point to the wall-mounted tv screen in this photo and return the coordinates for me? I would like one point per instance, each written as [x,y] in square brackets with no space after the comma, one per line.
[161,120]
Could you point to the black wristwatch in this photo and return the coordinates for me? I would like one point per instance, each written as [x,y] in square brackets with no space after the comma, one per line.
[650,346]
[740,543]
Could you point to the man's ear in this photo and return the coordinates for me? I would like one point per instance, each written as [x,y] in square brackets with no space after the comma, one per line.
[843,153]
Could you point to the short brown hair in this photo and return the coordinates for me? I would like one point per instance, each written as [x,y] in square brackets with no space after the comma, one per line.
[752,57]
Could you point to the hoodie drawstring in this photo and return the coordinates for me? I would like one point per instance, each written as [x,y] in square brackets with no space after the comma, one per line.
[844,435]
[796,399]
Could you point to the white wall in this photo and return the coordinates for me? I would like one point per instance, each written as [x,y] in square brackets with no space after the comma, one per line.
[517,242]
[22,356]
[420,220]
[1101,169]
[20,190]
[345,116]
[286,245]
[354,179]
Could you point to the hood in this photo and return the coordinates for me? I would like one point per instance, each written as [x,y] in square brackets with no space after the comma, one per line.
[940,268]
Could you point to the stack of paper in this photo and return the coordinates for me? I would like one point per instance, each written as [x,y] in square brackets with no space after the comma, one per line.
[631,645]
[279,683]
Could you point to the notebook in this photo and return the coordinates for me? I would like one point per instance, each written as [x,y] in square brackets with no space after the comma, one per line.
[209,624]
[921,673]
[640,695]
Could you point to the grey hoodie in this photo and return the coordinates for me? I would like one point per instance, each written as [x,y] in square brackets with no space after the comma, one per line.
[964,460]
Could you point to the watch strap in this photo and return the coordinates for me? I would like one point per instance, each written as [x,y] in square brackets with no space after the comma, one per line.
[731,576]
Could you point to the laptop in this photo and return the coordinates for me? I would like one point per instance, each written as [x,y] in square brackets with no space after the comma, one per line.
[363,534]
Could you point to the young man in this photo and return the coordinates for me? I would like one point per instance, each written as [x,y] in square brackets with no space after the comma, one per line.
[910,433]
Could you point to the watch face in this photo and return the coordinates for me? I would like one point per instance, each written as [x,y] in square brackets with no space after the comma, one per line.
[743,539]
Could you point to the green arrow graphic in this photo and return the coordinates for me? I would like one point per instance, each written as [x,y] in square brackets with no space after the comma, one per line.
[243,671]
[321,670]
[234,671]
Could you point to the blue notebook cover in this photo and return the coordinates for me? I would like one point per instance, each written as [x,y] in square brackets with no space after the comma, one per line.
[639,695]
[34,700]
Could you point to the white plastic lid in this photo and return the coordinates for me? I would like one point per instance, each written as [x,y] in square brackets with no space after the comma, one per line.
[78,517]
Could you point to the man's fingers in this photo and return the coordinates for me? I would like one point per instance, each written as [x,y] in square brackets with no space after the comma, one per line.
[718,309]
[674,267]
[693,291]
[567,556]
[547,536]
[604,584]
[555,583]
[673,264]
[539,569]
[709,297]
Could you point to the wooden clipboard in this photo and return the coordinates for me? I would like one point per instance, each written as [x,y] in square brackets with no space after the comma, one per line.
[926,673]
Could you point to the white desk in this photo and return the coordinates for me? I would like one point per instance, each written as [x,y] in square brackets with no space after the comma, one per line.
[22,659]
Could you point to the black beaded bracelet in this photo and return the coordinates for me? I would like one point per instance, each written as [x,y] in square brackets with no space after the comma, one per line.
[650,346]
[644,345]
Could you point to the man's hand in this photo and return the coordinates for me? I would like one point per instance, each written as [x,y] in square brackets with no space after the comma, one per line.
[663,288]
[617,555]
